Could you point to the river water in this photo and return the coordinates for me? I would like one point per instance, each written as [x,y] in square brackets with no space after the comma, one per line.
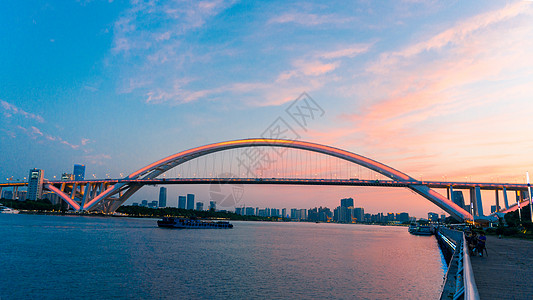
[50,257]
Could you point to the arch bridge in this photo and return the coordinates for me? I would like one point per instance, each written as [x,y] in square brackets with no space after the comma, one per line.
[108,195]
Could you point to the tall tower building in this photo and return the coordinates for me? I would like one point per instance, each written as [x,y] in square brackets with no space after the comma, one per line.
[458,198]
[182,200]
[35,184]
[79,172]
[347,202]
[199,206]
[212,205]
[163,197]
[190,201]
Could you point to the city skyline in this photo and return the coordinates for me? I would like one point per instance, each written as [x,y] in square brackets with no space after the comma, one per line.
[442,100]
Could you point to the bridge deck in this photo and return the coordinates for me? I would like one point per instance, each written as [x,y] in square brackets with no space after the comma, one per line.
[505,272]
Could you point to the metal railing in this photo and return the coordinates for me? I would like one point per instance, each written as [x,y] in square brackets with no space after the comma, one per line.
[465,284]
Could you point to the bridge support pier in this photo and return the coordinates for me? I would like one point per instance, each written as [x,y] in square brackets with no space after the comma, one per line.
[505,200]
[475,199]
[15,192]
[497,200]
[479,202]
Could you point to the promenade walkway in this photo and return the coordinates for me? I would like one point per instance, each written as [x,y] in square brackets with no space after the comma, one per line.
[506,272]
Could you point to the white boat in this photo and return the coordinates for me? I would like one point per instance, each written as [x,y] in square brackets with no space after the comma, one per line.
[7,210]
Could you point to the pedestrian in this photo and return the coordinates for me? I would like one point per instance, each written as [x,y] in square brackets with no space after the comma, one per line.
[481,241]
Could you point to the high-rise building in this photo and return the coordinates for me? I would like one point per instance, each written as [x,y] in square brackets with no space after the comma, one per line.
[22,195]
[7,194]
[144,203]
[163,197]
[249,211]
[283,212]
[433,217]
[458,198]
[79,172]
[182,200]
[359,214]
[403,217]
[35,184]
[347,202]
[199,206]
[190,201]
[212,205]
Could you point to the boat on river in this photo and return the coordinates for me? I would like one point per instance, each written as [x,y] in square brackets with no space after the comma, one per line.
[185,223]
[7,210]
[419,229]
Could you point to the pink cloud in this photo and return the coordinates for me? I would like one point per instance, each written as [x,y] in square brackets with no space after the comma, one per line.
[350,51]
[308,19]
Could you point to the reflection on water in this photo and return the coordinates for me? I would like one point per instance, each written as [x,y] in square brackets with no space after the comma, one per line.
[89,257]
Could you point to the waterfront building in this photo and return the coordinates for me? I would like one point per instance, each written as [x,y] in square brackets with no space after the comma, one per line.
[7,194]
[22,195]
[249,211]
[262,213]
[433,217]
[274,212]
[135,204]
[199,206]
[239,210]
[257,211]
[79,172]
[182,200]
[303,214]
[35,184]
[343,214]
[403,217]
[163,197]
[144,203]
[153,204]
[190,201]
[212,205]
[368,218]
[52,197]
[359,214]
[347,202]
[284,213]
[295,213]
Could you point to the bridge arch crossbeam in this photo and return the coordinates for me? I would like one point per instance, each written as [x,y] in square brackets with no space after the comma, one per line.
[161,166]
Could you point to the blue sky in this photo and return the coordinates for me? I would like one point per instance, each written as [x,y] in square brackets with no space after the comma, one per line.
[434,89]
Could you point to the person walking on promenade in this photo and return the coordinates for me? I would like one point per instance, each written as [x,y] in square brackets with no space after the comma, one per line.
[481,240]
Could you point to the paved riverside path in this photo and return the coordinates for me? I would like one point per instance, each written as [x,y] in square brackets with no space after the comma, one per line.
[507,270]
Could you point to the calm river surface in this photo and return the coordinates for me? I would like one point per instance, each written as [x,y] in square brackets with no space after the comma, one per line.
[49,257]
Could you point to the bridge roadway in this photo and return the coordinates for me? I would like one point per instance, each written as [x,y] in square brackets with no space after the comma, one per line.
[292,181]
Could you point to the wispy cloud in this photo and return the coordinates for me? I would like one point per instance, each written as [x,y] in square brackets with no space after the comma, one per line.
[11,109]
[97,159]
[309,19]
[37,134]
[424,94]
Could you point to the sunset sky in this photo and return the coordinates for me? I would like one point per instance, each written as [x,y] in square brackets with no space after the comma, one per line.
[439,90]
